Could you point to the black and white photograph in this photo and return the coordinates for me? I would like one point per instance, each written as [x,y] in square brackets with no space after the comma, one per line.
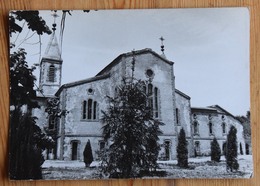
[138,93]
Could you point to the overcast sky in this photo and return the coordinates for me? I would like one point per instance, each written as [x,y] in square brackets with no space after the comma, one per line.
[209,48]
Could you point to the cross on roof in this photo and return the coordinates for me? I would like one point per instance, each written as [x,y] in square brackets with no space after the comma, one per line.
[162,46]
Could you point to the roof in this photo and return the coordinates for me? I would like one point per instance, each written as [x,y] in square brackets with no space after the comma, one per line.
[217,107]
[137,52]
[213,109]
[53,51]
[88,80]
[203,109]
[182,94]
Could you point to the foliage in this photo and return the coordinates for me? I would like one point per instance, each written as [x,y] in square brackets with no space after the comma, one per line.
[231,154]
[131,131]
[26,139]
[215,150]
[182,151]
[21,81]
[245,120]
[26,145]
[33,20]
[88,156]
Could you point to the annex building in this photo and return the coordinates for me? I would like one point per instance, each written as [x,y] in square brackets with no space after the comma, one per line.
[84,100]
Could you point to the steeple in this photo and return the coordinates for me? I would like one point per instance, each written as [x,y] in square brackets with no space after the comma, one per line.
[53,51]
[50,66]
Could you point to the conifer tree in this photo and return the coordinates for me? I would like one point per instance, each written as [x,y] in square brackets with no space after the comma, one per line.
[182,151]
[133,132]
[215,150]
[231,154]
[88,156]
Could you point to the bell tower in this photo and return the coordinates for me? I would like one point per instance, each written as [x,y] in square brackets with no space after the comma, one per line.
[51,66]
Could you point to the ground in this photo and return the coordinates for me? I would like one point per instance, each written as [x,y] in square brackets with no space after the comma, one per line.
[200,167]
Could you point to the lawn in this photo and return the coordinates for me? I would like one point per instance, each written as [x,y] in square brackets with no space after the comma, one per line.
[200,167]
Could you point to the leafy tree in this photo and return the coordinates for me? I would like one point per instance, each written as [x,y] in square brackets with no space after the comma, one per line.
[182,151]
[131,131]
[231,154]
[26,145]
[88,157]
[215,150]
[26,139]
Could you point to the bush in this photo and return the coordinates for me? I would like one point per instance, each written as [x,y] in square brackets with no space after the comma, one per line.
[231,154]
[88,156]
[215,151]
[182,151]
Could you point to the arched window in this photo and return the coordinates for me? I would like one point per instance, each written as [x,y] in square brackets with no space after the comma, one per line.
[89,109]
[150,97]
[153,99]
[95,110]
[224,128]
[84,108]
[210,128]
[177,115]
[167,145]
[51,73]
[196,127]
[156,103]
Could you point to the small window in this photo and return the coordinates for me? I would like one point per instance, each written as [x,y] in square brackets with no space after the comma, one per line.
[101,145]
[196,127]
[149,73]
[52,122]
[90,91]
[197,148]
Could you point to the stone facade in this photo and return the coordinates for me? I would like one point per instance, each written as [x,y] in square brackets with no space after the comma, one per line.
[85,100]
[211,122]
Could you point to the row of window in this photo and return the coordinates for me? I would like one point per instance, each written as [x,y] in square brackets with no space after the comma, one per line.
[89,109]
[210,128]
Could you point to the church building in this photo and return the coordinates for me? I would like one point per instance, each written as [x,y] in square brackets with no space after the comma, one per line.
[84,100]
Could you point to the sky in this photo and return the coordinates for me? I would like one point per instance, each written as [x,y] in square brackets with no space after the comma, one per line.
[209,48]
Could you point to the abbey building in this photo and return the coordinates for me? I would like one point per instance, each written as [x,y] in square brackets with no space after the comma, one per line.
[84,100]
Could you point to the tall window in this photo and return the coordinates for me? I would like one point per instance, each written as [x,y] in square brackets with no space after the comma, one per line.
[196,127]
[89,109]
[177,115]
[153,99]
[224,128]
[167,149]
[156,104]
[84,115]
[150,97]
[210,129]
[51,74]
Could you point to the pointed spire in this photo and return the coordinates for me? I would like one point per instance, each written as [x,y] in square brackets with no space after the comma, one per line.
[53,51]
